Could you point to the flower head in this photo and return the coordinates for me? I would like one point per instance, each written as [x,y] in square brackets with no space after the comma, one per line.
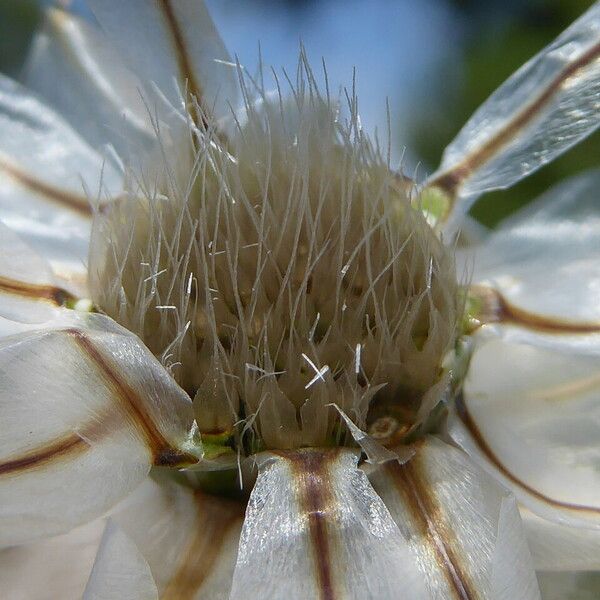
[275,332]
[299,277]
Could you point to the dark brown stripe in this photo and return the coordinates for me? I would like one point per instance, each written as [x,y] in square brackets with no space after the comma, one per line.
[215,518]
[72,444]
[67,199]
[310,471]
[184,63]
[414,490]
[470,424]
[451,180]
[163,452]
[49,293]
[497,309]
[67,446]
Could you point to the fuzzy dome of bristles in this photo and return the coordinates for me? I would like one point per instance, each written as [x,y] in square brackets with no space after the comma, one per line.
[282,275]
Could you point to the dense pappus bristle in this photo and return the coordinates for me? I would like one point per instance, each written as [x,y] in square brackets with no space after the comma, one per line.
[282,272]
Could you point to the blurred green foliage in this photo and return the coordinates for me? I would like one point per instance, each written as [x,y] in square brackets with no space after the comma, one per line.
[501,36]
[18,20]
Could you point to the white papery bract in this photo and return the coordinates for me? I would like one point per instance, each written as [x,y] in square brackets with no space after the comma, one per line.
[173,46]
[553,245]
[433,498]
[99,97]
[83,402]
[46,181]
[543,109]
[533,416]
[191,544]
[324,531]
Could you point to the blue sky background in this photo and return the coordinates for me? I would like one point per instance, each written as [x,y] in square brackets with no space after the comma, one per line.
[394,45]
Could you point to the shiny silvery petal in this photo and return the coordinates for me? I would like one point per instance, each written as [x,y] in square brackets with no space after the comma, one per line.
[56,567]
[174,45]
[557,547]
[99,98]
[569,586]
[547,106]
[120,571]
[188,538]
[531,417]
[462,528]
[46,171]
[315,528]
[544,266]
[85,410]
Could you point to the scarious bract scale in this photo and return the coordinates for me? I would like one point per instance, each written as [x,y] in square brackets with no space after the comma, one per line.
[282,271]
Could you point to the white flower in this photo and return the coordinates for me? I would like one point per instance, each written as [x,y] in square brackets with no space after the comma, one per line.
[295,315]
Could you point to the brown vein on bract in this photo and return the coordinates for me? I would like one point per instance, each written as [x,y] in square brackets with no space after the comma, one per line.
[163,452]
[49,293]
[67,199]
[567,390]
[452,179]
[73,443]
[467,419]
[497,309]
[413,488]
[216,517]
[67,446]
[310,471]
[184,63]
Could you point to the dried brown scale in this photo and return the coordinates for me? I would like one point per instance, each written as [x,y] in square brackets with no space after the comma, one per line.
[256,279]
